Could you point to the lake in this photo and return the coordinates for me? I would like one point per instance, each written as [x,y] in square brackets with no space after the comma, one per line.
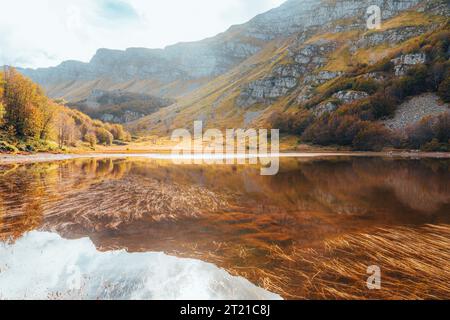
[140,228]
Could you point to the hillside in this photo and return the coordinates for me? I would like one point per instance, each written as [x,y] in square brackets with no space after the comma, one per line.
[309,67]
[31,122]
[297,80]
[119,106]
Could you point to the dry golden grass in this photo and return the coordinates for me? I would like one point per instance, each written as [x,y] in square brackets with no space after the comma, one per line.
[341,60]
[414,262]
[410,19]
[312,240]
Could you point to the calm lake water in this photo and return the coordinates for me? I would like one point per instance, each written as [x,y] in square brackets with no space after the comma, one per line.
[142,228]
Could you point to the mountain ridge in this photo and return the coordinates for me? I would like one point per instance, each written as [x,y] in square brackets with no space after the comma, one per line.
[196,62]
[300,51]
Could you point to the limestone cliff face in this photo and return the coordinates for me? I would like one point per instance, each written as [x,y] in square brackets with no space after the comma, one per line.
[300,15]
[309,65]
[305,46]
[211,57]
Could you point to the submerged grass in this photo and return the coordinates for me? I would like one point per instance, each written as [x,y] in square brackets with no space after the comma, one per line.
[414,262]
[314,239]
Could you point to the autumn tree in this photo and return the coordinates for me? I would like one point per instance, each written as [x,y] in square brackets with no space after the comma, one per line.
[2,113]
[104,136]
[67,132]
[117,131]
[48,114]
[22,100]
[127,137]
[91,138]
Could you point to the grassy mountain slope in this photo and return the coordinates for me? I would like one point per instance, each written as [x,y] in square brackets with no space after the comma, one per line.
[281,79]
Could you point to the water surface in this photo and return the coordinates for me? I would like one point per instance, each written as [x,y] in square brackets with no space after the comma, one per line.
[250,225]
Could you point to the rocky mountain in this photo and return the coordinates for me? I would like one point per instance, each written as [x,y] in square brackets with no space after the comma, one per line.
[160,70]
[280,61]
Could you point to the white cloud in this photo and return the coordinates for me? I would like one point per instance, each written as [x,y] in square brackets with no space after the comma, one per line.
[45,32]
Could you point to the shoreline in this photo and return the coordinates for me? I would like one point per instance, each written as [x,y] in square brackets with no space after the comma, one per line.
[49,157]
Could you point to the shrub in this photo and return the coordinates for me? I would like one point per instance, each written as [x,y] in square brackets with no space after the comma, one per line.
[444,88]
[104,136]
[416,80]
[435,146]
[369,86]
[347,129]
[6,147]
[436,75]
[319,132]
[333,129]
[372,137]
[91,139]
[117,131]
[127,137]
[439,44]
[441,128]
[384,65]
[340,85]
[382,106]
[291,123]
[376,107]
[420,133]
[428,129]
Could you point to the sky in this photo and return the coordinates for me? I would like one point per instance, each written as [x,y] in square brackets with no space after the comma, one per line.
[46,32]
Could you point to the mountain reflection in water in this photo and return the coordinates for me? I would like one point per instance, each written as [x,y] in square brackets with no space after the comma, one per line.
[279,232]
